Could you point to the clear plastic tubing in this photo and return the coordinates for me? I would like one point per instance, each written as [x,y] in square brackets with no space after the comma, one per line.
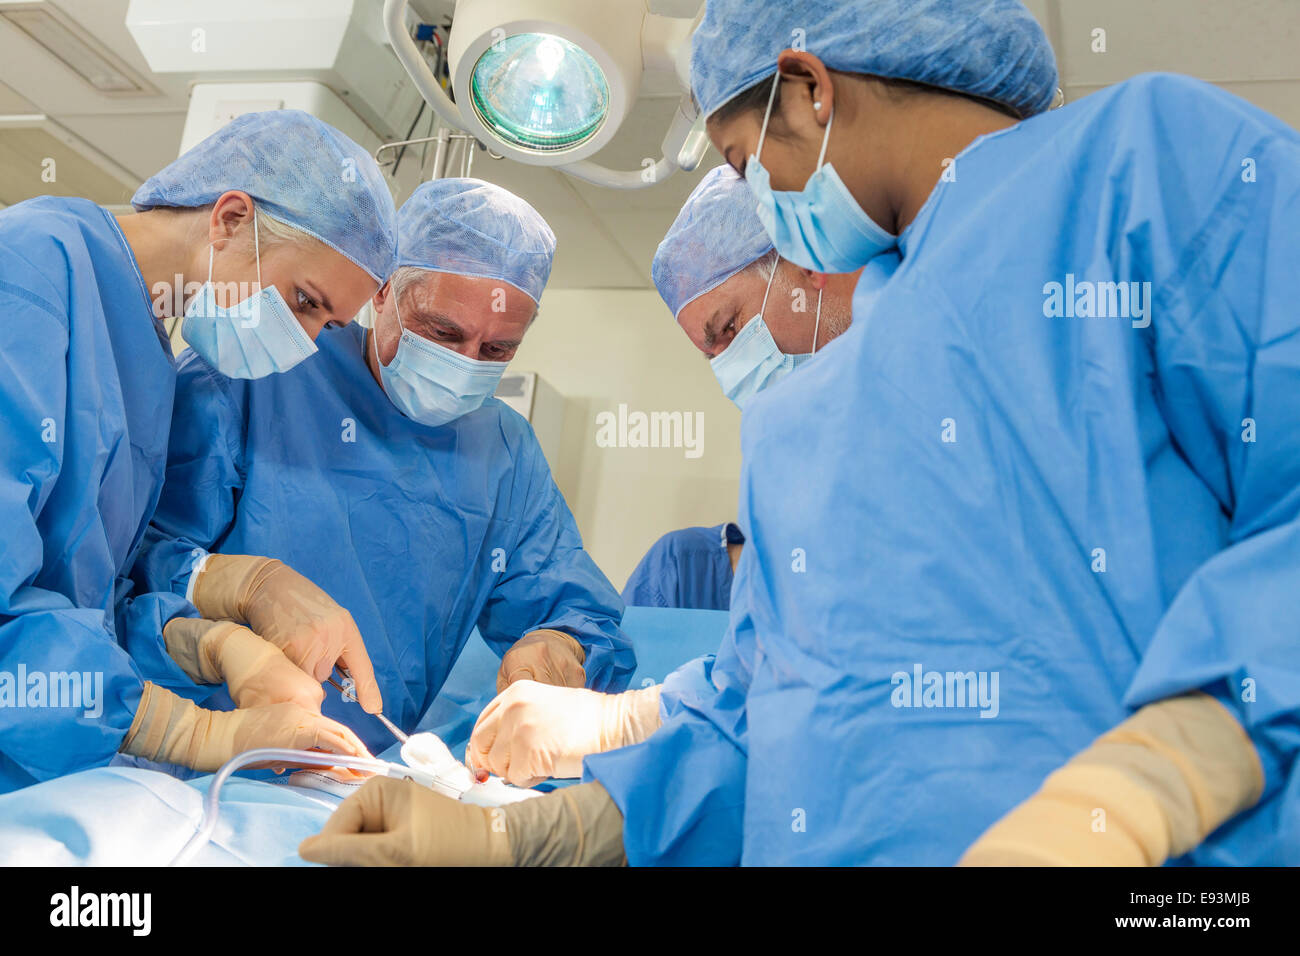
[298,758]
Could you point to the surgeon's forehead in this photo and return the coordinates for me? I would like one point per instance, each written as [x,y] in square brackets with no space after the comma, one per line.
[742,291]
[472,303]
[450,287]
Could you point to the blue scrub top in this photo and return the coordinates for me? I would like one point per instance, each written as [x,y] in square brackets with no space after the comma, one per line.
[85,405]
[421,533]
[1010,468]
[688,568]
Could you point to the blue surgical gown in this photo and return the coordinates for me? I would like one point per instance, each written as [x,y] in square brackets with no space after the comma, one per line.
[85,401]
[1097,506]
[689,568]
[421,533]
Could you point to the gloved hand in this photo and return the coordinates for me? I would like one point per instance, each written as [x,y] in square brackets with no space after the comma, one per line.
[399,823]
[532,731]
[254,671]
[1151,789]
[549,657]
[283,607]
[170,729]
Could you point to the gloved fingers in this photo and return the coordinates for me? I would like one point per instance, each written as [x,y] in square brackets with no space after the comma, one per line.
[542,658]
[368,810]
[315,732]
[506,674]
[307,654]
[497,758]
[321,668]
[528,782]
[297,685]
[309,693]
[514,755]
[365,829]
[355,659]
[356,849]
[572,673]
[483,737]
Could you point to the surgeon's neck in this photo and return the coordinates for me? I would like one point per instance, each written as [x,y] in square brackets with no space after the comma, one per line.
[931,131]
[162,242]
[897,144]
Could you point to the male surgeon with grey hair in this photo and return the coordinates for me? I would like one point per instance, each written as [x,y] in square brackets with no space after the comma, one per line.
[387,473]
[755,316]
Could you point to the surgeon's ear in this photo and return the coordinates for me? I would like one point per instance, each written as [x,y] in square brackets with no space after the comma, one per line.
[380,297]
[230,213]
[815,279]
[810,81]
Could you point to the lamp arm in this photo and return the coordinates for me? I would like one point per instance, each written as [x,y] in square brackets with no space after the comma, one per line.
[409,56]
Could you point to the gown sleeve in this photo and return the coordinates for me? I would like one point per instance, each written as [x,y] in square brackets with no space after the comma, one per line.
[1227,380]
[42,632]
[550,581]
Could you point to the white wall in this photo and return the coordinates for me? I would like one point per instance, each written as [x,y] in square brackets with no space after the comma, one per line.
[602,347]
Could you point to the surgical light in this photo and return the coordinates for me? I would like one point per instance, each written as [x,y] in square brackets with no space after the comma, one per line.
[550,82]
[538,91]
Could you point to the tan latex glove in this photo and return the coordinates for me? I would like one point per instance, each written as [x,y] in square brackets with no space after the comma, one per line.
[399,823]
[548,657]
[532,731]
[254,671]
[1159,783]
[283,607]
[171,729]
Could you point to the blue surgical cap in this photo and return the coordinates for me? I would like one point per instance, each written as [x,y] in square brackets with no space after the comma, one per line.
[716,234]
[299,171]
[472,228]
[994,49]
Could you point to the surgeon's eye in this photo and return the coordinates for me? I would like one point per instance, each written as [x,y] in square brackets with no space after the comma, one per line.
[495,353]
[305,301]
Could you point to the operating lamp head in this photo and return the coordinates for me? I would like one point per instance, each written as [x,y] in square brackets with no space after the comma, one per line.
[546,82]
[539,92]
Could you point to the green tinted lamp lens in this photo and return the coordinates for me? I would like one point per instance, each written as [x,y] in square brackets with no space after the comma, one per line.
[539,92]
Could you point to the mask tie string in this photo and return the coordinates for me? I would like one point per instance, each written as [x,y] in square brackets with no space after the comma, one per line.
[817,326]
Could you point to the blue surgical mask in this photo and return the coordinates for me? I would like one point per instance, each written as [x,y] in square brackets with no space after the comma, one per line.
[752,361]
[821,227]
[251,339]
[431,384]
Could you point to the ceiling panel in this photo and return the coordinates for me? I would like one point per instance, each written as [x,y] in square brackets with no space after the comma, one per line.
[11,102]
[1216,41]
[34,162]
[41,77]
[153,140]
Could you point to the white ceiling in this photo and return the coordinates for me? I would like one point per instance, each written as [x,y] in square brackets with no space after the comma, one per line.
[606,237]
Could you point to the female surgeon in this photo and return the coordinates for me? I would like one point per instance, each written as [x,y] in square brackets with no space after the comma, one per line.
[256,238]
[1055,625]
